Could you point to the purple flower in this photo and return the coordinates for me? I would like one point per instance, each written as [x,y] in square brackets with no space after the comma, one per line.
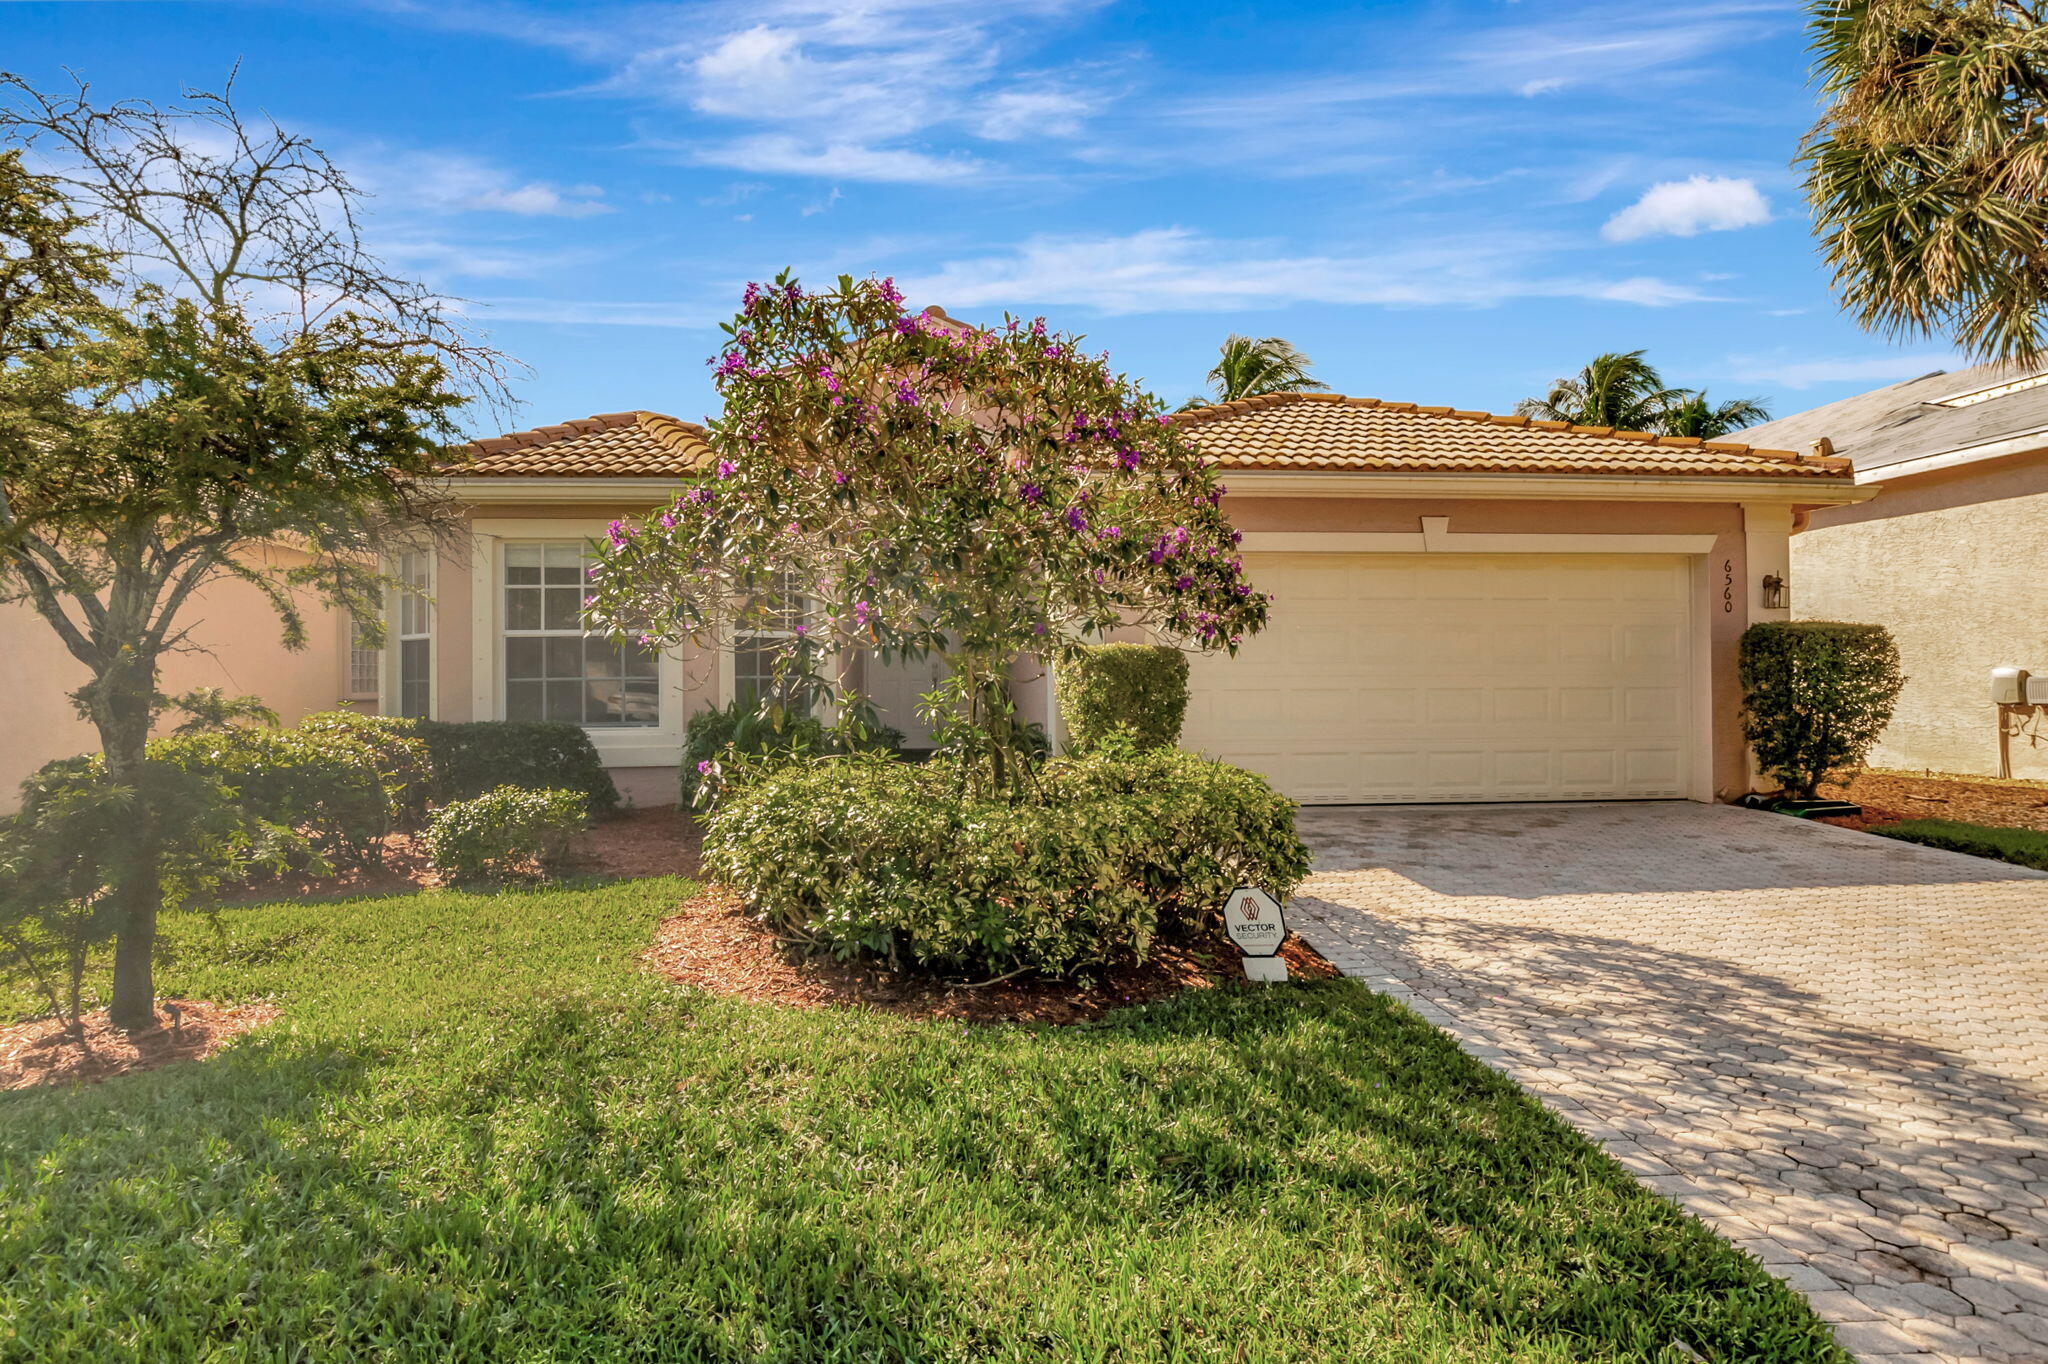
[1183,583]
[704,768]
[830,380]
[802,630]
[1127,459]
[1075,521]
[888,290]
[905,394]
[725,468]
[1110,533]
[751,295]
[668,521]
[839,477]
[1032,493]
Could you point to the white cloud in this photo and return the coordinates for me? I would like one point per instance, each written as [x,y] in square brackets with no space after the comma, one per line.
[454,182]
[1686,208]
[1876,369]
[1013,115]
[594,313]
[783,154]
[1176,270]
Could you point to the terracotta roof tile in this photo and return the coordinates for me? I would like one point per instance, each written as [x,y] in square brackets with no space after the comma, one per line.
[613,445]
[1330,431]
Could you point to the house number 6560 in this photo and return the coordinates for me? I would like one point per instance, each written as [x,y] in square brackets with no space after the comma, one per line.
[1728,586]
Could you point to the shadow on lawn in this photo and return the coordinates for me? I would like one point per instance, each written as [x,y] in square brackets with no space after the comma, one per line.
[682,1178]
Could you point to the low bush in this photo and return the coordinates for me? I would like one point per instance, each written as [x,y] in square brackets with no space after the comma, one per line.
[512,831]
[1815,696]
[326,784]
[2021,847]
[1139,689]
[722,743]
[473,757]
[862,856]
[404,766]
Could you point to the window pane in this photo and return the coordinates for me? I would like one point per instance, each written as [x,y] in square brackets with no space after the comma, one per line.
[601,701]
[565,609]
[565,657]
[601,657]
[523,657]
[522,608]
[523,701]
[565,564]
[414,660]
[642,704]
[565,701]
[522,563]
[640,661]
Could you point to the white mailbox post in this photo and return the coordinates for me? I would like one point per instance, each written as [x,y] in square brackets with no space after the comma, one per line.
[1255,923]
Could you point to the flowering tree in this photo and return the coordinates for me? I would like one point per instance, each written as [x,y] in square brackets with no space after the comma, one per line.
[930,488]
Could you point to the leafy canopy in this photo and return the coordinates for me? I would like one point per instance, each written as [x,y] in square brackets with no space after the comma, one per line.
[929,488]
[1623,390]
[1247,368]
[1928,172]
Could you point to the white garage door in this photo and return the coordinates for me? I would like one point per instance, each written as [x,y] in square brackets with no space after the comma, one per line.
[1458,677]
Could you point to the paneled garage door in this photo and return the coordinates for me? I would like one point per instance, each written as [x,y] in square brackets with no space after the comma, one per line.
[1458,677]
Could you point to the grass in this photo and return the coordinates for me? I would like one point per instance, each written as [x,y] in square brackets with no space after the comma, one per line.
[482,1131]
[2022,847]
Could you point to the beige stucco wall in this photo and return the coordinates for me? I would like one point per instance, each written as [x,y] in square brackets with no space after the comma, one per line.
[243,653]
[1952,562]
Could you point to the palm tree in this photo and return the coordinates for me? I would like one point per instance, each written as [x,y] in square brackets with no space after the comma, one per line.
[1695,416]
[1928,172]
[1619,389]
[1247,368]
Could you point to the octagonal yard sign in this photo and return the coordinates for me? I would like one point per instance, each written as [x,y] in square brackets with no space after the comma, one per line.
[1254,922]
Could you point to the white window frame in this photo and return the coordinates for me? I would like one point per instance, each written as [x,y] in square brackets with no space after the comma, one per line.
[545,552]
[362,678]
[657,745]
[410,615]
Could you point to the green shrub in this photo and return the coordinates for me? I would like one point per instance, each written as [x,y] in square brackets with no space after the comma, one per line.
[404,766]
[477,756]
[2021,847]
[863,856]
[507,832]
[1815,696]
[734,741]
[1138,688]
[325,784]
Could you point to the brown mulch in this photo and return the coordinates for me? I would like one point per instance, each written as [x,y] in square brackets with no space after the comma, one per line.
[712,942]
[43,1051]
[1888,797]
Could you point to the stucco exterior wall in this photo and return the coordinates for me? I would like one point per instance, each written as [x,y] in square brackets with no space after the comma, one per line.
[1953,564]
[243,654]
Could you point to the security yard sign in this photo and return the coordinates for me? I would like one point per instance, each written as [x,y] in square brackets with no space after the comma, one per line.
[1255,924]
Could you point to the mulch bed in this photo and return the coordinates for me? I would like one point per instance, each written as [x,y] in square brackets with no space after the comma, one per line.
[43,1051]
[711,942]
[1889,797]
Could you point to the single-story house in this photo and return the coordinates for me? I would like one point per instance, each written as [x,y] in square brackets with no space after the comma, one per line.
[1952,555]
[1468,607]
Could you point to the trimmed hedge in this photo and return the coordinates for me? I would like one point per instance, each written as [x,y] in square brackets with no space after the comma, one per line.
[326,784]
[1816,694]
[860,855]
[478,756]
[2021,847]
[506,832]
[1140,689]
[404,766]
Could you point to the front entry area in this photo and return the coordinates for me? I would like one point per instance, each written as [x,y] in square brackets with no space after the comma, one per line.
[1398,678]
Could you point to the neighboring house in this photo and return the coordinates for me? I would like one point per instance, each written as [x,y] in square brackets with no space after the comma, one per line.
[1951,555]
[1467,607]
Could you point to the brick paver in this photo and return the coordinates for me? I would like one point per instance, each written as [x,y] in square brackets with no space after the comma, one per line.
[1832,1047]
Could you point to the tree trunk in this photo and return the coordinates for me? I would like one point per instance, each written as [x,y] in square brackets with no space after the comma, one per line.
[121,704]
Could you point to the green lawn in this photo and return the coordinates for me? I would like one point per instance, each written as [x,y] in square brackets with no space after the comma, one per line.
[482,1131]
[2021,847]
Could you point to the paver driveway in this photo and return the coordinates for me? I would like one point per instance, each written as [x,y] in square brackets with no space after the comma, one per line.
[1832,1047]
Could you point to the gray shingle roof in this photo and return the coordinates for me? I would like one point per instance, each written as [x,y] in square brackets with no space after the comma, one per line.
[1905,421]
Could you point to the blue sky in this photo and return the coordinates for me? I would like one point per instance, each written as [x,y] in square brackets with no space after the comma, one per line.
[1446,202]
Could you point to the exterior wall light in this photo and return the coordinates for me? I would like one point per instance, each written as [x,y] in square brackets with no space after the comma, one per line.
[1776,597]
